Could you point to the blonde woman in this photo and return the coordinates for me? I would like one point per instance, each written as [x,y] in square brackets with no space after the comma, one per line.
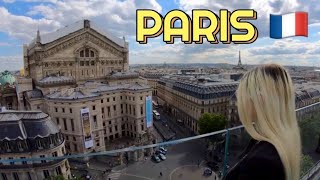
[266,105]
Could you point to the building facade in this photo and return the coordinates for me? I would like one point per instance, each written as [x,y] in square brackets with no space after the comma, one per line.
[81,67]
[31,134]
[187,97]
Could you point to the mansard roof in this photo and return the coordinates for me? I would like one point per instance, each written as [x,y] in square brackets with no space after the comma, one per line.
[26,124]
[50,37]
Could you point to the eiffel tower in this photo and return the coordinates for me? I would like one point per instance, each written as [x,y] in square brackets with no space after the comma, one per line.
[239,66]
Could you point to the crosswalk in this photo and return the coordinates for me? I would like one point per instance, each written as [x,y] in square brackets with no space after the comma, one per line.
[114,176]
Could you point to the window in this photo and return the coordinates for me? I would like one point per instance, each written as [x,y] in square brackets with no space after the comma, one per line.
[4,176]
[46,174]
[87,52]
[110,129]
[142,128]
[42,161]
[141,98]
[104,124]
[101,100]
[95,124]
[121,97]
[81,53]
[72,124]
[56,109]
[109,111]
[97,142]
[58,121]
[141,110]
[23,162]
[92,63]
[65,124]
[39,144]
[109,122]
[58,170]
[102,110]
[114,98]
[67,138]
[114,107]
[82,64]
[87,64]
[63,110]
[116,128]
[15,176]
[93,107]
[107,99]
[70,110]
[75,147]
[133,98]
[29,176]
[55,154]
[91,53]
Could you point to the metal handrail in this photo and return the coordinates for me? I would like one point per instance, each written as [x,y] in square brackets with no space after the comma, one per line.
[128,149]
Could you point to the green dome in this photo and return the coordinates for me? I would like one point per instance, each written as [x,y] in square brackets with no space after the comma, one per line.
[6,77]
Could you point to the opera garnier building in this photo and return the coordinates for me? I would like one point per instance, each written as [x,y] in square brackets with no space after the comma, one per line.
[28,135]
[80,76]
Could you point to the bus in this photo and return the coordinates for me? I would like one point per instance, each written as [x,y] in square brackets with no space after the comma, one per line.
[156,115]
[155,104]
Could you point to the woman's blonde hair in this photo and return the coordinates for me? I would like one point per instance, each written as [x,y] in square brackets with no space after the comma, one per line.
[266,105]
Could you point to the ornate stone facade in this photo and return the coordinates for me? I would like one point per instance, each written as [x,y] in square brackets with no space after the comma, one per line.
[64,55]
[81,66]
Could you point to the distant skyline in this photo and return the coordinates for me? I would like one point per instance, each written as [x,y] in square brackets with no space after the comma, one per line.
[20,20]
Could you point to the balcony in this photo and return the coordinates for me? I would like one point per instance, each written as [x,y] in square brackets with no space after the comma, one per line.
[189,157]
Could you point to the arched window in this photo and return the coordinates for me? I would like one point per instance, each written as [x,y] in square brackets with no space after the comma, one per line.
[87,52]
[91,54]
[82,53]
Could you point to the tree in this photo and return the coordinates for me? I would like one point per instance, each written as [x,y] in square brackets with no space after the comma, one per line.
[306,164]
[310,132]
[211,122]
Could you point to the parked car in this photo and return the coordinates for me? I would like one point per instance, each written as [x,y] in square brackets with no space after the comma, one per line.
[207,172]
[158,152]
[162,152]
[156,158]
[162,157]
[163,149]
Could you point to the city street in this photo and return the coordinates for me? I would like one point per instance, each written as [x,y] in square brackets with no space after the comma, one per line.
[182,159]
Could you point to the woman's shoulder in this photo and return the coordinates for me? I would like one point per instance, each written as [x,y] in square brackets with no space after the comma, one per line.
[262,159]
[266,152]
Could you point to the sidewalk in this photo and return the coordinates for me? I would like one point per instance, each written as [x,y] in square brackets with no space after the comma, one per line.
[191,172]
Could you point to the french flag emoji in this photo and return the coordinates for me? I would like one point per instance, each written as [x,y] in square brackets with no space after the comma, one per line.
[289,25]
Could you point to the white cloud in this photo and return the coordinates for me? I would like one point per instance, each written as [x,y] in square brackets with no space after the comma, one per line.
[22,27]
[118,16]
[8,1]
[11,63]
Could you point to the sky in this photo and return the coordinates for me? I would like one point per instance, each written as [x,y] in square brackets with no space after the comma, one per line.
[20,20]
